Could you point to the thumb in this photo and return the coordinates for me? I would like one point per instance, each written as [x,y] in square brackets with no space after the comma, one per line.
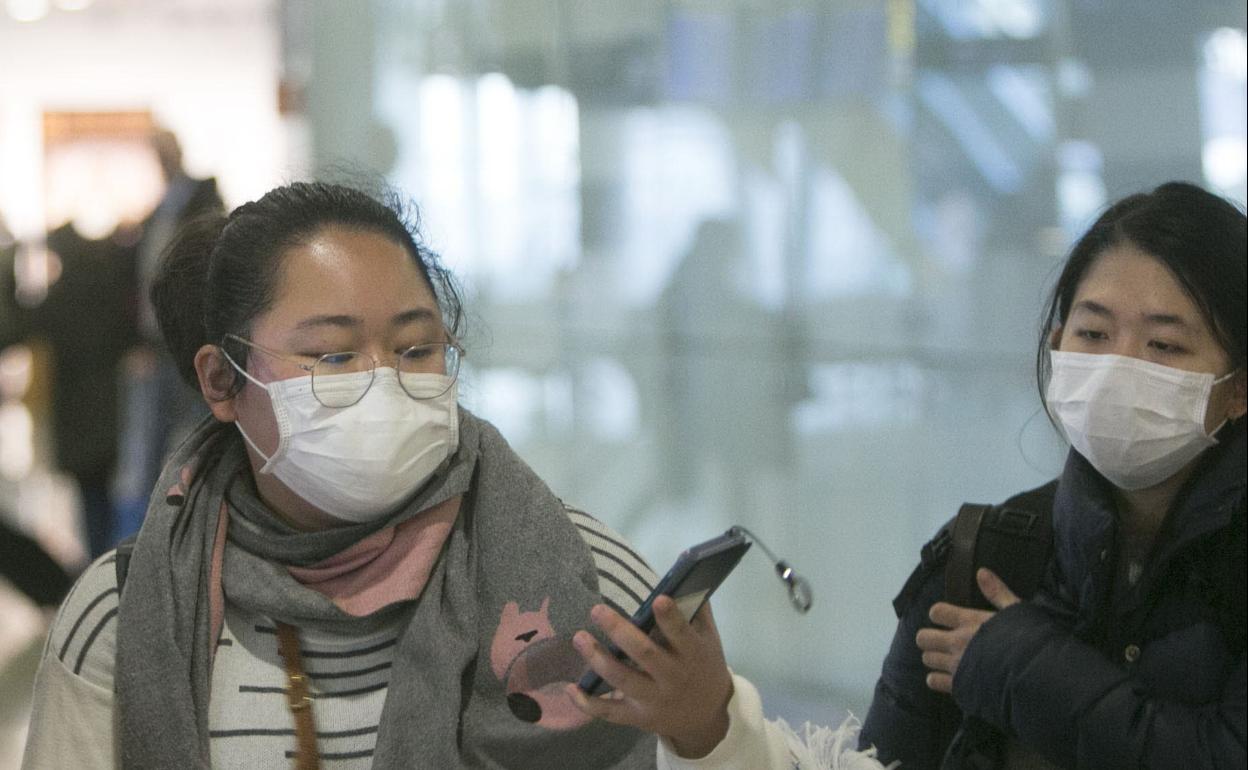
[994,588]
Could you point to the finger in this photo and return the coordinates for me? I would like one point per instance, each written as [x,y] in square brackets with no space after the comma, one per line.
[676,630]
[704,626]
[952,616]
[610,621]
[616,710]
[628,680]
[946,614]
[994,589]
[641,649]
[939,661]
[619,629]
[934,640]
[940,682]
[704,621]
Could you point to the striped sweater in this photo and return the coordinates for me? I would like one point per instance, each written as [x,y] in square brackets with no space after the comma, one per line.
[249,724]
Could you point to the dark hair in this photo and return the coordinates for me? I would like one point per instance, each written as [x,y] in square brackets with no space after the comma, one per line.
[220,273]
[1199,236]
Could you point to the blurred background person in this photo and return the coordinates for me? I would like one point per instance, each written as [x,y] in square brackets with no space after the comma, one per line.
[8,305]
[159,408]
[86,322]
[23,560]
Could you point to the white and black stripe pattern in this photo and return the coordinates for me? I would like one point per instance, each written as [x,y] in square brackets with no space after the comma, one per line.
[249,723]
[624,578]
[84,635]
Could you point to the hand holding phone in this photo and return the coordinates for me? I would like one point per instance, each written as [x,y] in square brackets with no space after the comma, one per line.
[690,582]
[680,687]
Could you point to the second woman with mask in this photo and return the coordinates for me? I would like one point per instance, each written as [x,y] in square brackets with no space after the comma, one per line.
[1131,654]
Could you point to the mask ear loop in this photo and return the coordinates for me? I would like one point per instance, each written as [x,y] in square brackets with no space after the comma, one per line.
[800,594]
[1218,381]
[281,434]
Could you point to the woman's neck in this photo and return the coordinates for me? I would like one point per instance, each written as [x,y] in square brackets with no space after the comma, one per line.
[1142,511]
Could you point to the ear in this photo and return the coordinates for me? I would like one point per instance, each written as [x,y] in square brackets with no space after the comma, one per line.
[216,375]
[1239,396]
[511,611]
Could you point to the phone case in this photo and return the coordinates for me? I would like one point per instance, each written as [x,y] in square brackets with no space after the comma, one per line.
[696,574]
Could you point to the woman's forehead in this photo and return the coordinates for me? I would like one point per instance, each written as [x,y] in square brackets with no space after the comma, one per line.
[342,272]
[1126,278]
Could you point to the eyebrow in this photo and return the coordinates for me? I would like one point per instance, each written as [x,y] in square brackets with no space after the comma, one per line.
[350,321]
[1165,319]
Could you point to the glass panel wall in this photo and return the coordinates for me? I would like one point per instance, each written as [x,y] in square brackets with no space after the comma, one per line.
[777,264]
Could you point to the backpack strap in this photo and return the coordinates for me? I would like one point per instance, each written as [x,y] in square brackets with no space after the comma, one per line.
[122,564]
[1013,539]
[960,586]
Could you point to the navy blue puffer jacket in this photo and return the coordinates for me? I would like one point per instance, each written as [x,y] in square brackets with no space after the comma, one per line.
[1090,677]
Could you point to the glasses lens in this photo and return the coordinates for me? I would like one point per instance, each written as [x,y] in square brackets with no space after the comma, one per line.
[334,380]
[439,359]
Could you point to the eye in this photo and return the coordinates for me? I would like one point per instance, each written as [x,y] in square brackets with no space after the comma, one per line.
[334,359]
[1091,334]
[1165,347]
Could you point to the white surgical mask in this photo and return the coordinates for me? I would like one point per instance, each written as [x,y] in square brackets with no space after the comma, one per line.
[360,462]
[1136,422]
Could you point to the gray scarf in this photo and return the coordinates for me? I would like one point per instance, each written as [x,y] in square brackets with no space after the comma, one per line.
[512,550]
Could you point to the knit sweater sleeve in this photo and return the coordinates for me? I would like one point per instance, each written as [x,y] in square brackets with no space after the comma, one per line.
[754,742]
[624,578]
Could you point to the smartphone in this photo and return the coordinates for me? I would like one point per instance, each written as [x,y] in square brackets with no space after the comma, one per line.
[690,582]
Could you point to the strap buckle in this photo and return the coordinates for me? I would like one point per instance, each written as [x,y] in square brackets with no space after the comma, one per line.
[297,696]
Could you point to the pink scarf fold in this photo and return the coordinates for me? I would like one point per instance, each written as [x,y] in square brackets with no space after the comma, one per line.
[388,566]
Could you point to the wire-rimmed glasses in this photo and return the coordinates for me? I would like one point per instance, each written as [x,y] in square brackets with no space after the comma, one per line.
[334,375]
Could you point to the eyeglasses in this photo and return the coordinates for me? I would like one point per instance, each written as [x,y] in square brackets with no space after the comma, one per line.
[332,386]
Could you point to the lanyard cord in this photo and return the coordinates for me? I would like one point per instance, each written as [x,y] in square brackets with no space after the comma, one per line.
[800,595]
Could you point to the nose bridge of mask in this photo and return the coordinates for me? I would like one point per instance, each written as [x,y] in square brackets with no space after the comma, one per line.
[1125,380]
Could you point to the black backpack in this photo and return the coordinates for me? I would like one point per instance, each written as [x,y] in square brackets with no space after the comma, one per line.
[1013,539]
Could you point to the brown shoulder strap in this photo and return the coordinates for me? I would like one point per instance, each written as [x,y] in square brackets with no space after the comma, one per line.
[299,699]
[960,586]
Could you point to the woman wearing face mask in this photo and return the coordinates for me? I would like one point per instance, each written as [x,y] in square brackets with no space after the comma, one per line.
[342,565]
[1131,654]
